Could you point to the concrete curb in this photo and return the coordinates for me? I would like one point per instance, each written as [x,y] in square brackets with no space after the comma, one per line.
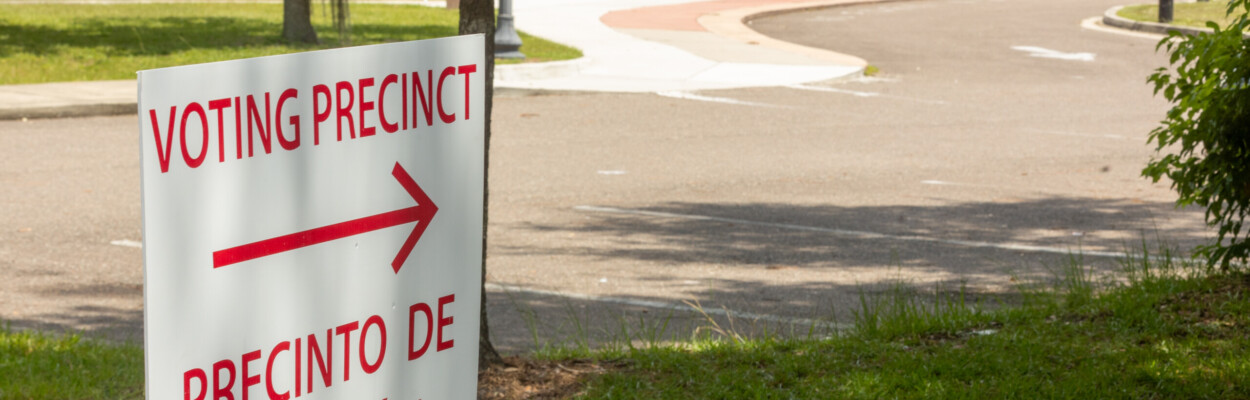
[113,105]
[540,70]
[69,111]
[1110,18]
[1095,24]
[68,99]
[115,109]
[733,24]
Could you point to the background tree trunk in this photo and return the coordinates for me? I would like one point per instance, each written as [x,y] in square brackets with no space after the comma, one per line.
[342,21]
[478,16]
[297,21]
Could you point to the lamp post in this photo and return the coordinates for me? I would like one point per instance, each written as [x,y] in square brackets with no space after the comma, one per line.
[507,42]
[1165,13]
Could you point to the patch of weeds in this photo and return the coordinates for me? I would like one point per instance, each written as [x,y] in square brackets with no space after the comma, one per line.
[900,311]
[871,70]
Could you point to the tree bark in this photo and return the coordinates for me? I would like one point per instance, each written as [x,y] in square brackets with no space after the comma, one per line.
[478,16]
[297,21]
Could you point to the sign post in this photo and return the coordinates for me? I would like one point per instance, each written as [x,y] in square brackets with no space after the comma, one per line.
[312,224]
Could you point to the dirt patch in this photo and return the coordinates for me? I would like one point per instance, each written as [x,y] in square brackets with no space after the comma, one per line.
[1205,309]
[522,378]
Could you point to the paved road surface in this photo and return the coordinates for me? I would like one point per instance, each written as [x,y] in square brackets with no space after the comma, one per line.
[68,188]
[999,136]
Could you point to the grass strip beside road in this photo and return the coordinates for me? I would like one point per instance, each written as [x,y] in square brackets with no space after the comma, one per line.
[81,42]
[1163,336]
[41,366]
[1183,14]
[1169,332]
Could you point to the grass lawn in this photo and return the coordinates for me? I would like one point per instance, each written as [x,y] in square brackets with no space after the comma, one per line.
[77,42]
[38,366]
[1159,332]
[1185,14]
[1166,334]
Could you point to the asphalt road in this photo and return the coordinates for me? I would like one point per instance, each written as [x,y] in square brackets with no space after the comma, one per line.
[999,137]
[68,189]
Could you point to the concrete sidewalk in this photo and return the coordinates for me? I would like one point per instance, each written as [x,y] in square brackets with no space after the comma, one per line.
[629,46]
[669,45]
[68,99]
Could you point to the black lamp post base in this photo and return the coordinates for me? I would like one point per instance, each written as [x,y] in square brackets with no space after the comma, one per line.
[509,55]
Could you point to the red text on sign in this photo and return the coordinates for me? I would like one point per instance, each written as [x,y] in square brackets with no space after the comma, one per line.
[347,107]
[313,358]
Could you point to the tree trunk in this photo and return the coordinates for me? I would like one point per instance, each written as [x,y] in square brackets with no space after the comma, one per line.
[342,21]
[478,16]
[297,21]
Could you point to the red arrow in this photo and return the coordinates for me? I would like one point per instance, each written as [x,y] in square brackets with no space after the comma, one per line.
[421,213]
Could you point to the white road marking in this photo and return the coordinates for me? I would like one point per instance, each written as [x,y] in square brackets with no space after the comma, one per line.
[1041,52]
[946,183]
[856,234]
[671,306]
[1061,133]
[127,243]
[869,79]
[724,100]
[859,93]
[612,172]
[834,90]
[949,183]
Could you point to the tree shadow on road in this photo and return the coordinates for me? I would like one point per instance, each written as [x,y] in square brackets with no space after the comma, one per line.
[787,235]
[94,321]
[945,249]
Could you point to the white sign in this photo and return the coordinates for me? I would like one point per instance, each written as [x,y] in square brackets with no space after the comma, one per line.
[313,224]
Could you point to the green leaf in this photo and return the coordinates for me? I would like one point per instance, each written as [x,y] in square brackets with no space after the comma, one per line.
[1202,141]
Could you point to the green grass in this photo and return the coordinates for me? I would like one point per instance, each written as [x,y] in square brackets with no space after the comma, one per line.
[871,70]
[1166,334]
[41,366]
[77,42]
[1184,14]
[1159,329]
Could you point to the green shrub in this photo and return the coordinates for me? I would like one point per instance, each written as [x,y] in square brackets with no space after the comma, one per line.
[1205,139]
